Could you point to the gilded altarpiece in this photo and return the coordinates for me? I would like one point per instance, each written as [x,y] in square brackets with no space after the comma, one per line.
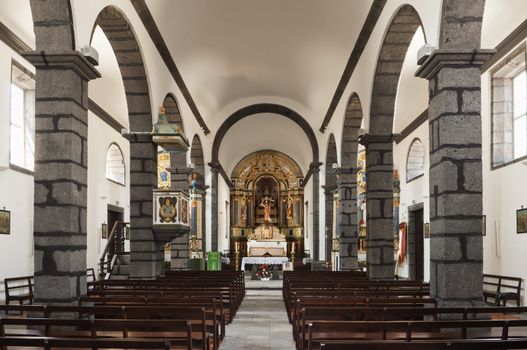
[267,206]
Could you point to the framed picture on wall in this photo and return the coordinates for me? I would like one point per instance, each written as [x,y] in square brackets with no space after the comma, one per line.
[426,230]
[104,231]
[521,220]
[5,222]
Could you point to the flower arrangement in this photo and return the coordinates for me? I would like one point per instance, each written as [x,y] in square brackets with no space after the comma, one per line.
[263,272]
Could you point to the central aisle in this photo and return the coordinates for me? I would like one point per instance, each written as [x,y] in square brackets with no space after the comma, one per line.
[260,323]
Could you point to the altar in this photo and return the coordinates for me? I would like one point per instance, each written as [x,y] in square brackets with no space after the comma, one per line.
[269,247]
[260,260]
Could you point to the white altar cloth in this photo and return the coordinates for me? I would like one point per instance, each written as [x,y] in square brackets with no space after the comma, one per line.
[271,260]
[259,248]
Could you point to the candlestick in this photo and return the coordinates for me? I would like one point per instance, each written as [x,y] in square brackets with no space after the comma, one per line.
[293,244]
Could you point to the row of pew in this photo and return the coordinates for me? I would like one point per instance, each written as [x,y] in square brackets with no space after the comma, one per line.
[346,310]
[182,310]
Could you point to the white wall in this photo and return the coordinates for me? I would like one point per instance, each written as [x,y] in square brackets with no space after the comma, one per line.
[415,191]
[101,191]
[16,188]
[504,189]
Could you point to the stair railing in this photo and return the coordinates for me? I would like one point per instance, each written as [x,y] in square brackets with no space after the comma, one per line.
[114,247]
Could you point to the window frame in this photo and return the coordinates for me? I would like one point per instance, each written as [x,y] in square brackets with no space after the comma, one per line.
[516,51]
[31,75]
[106,165]
[416,139]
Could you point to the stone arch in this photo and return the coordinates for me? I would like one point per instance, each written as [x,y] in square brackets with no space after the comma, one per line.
[379,141]
[146,252]
[352,124]
[396,41]
[313,168]
[196,155]
[264,108]
[172,111]
[329,189]
[53,25]
[347,226]
[126,47]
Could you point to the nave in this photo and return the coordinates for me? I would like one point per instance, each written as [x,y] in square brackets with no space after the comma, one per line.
[261,323]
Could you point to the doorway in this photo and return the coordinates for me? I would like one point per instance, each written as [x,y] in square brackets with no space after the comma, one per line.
[115,214]
[416,241]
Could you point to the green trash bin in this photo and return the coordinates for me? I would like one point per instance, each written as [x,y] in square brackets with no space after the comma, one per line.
[197,264]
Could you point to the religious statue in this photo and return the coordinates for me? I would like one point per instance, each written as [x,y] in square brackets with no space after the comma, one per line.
[289,211]
[243,211]
[266,205]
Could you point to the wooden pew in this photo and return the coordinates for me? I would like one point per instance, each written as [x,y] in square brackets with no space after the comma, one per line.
[320,313]
[202,322]
[323,331]
[48,343]
[458,344]
[178,332]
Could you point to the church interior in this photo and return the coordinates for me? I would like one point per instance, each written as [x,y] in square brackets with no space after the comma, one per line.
[242,174]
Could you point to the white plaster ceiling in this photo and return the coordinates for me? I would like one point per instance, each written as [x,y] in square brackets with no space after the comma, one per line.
[230,50]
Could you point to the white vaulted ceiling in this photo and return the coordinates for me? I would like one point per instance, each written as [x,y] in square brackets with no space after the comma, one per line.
[232,50]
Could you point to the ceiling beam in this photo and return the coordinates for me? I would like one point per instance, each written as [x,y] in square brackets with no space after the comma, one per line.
[151,27]
[364,35]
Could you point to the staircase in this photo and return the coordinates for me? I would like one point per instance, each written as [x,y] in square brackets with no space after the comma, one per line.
[115,261]
[121,268]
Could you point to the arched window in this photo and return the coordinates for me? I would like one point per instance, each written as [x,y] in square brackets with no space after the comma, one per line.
[115,170]
[416,161]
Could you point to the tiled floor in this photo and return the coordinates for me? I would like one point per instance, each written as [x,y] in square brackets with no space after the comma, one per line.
[260,323]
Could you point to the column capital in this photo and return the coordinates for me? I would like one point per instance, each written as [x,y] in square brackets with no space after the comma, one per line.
[137,136]
[452,57]
[373,138]
[345,171]
[70,60]
[329,189]
[215,167]
[315,166]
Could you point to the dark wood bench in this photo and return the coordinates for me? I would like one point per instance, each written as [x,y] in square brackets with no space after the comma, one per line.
[48,343]
[177,332]
[502,288]
[462,344]
[325,331]
[19,289]
[313,314]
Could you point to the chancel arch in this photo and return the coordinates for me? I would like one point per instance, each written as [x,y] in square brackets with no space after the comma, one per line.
[267,200]
[346,220]
[379,142]
[313,171]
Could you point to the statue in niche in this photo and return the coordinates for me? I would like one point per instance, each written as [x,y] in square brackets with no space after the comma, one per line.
[243,211]
[289,211]
[266,204]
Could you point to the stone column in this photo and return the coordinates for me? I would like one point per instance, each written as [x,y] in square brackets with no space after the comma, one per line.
[179,175]
[214,171]
[61,164]
[456,251]
[146,256]
[379,205]
[315,169]
[328,229]
[347,226]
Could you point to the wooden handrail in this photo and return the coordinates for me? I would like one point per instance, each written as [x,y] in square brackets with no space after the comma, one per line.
[105,258]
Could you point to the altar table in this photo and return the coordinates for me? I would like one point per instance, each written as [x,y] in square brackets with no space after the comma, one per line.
[271,260]
[262,247]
